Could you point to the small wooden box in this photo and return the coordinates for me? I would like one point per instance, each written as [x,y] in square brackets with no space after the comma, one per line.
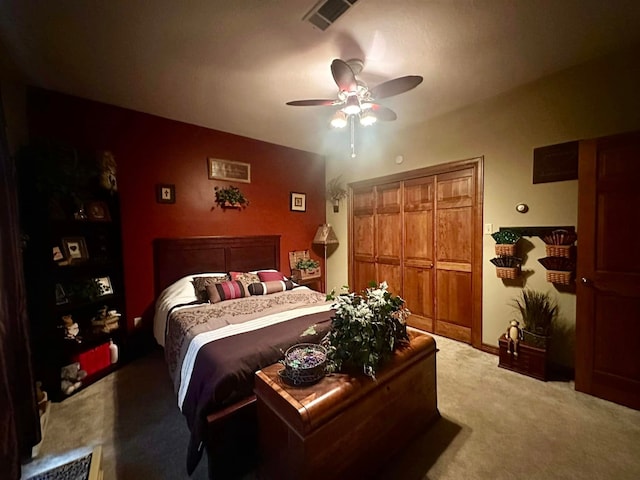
[530,360]
[302,275]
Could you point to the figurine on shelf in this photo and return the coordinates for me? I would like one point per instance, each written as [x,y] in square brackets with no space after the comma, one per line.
[514,335]
[106,320]
[71,329]
[71,377]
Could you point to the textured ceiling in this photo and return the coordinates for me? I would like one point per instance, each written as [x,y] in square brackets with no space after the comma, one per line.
[232,64]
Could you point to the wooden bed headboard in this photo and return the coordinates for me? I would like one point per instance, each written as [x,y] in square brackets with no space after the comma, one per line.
[174,258]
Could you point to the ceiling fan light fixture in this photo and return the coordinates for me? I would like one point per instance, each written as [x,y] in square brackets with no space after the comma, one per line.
[339,119]
[367,118]
[352,106]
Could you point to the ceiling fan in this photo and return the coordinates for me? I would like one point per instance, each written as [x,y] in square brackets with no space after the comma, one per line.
[356,100]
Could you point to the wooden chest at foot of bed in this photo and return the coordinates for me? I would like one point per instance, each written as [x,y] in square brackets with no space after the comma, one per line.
[344,426]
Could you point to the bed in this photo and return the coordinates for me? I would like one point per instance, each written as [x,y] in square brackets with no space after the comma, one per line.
[213,348]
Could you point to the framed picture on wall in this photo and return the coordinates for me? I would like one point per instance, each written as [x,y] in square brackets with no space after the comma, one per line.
[98,211]
[229,170]
[298,202]
[104,286]
[165,193]
[75,249]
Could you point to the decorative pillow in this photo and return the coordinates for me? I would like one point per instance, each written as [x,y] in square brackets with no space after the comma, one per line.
[265,288]
[244,277]
[219,292]
[200,284]
[269,276]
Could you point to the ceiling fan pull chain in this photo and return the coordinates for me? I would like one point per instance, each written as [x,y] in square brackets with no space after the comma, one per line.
[353,136]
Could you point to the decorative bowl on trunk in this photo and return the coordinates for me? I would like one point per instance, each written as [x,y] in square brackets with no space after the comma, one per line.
[304,364]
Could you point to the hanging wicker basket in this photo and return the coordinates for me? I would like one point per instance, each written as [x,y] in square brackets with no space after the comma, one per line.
[506,249]
[559,277]
[508,272]
[559,251]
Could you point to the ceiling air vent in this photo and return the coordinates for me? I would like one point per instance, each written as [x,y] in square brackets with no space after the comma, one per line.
[326,12]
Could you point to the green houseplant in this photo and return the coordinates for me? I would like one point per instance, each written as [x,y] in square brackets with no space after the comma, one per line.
[366,329]
[538,311]
[230,196]
[336,192]
[307,264]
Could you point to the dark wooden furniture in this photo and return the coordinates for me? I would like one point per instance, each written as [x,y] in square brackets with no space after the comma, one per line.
[231,442]
[71,227]
[174,258]
[345,426]
[530,360]
[608,279]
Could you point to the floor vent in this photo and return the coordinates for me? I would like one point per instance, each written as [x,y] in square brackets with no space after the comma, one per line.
[326,12]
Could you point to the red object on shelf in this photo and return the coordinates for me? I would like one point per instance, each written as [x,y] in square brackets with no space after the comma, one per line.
[95,359]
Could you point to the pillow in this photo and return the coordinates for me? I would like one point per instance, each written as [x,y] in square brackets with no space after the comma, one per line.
[219,292]
[269,276]
[265,288]
[200,284]
[244,277]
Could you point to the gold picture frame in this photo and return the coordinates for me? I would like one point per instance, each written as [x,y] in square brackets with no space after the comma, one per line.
[229,170]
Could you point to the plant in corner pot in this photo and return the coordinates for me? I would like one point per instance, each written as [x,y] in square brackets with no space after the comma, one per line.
[230,197]
[336,192]
[365,330]
[538,311]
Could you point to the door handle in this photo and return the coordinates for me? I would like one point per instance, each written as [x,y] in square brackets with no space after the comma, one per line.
[429,267]
[587,282]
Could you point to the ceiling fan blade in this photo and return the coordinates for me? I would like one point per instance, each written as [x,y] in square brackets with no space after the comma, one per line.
[311,103]
[395,86]
[343,76]
[383,113]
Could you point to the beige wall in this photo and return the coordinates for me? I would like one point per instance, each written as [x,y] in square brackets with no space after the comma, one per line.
[595,99]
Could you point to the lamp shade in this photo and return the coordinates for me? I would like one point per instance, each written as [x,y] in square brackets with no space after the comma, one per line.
[325,236]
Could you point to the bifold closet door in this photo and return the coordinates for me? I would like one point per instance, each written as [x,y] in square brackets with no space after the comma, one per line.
[454,224]
[363,238]
[418,272]
[389,236]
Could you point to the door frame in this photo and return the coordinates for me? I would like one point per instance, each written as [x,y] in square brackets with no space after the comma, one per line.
[477,163]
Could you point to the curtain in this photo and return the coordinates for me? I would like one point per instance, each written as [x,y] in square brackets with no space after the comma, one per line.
[19,419]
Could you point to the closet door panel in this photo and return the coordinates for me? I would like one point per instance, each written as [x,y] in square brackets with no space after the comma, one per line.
[454,254]
[363,238]
[389,236]
[454,308]
[418,288]
[418,251]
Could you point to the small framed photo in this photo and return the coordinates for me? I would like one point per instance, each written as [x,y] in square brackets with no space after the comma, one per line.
[229,170]
[298,202]
[97,211]
[75,249]
[61,297]
[165,193]
[104,286]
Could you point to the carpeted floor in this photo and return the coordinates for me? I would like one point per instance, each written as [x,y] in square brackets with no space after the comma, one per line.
[495,424]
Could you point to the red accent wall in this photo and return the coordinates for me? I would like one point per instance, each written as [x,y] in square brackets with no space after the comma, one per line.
[151,150]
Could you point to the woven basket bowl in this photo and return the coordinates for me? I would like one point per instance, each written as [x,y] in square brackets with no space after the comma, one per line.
[506,249]
[558,277]
[507,272]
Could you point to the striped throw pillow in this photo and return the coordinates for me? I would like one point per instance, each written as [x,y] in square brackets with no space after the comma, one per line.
[265,288]
[219,292]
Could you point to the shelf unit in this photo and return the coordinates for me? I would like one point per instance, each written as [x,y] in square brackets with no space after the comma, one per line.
[73,267]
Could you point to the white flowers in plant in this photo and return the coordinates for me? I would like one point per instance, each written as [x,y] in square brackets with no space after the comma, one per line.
[366,328]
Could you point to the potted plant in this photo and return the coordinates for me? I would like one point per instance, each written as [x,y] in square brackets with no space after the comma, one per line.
[335,193]
[230,197]
[307,264]
[538,312]
[365,330]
